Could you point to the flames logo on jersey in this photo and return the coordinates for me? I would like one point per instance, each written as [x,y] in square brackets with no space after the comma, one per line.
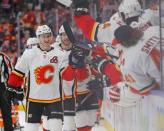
[44,74]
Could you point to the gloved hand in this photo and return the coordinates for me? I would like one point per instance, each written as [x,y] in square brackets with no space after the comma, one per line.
[12,93]
[95,84]
[77,57]
[114,94]
[81,7]
[99,63]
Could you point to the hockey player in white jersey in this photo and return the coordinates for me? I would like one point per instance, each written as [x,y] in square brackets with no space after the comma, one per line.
[43,63]
[65,45]
[140,59]
[75,74]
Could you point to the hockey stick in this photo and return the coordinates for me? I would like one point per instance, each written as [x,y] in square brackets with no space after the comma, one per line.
[86,98]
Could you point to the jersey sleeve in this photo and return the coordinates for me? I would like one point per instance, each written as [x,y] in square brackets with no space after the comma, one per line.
[16,78]
[68,73]
[23,63]
[93,30]
[81,73]
[113,73]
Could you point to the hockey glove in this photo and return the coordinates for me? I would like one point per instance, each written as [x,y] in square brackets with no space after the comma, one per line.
[77,57]
[99,63]
[96,86]
[12,93]
[114,94]
[81,7]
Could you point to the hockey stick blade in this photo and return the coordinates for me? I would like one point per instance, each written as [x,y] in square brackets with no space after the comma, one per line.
[66,3]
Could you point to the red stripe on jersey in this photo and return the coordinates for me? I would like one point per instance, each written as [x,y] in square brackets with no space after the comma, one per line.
[155,55]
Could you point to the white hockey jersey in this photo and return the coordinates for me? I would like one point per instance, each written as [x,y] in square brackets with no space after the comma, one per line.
[140,64]
[44,67]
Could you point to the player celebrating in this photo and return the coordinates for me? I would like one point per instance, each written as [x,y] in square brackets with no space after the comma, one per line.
[43,63]
[139,62]
[65,45]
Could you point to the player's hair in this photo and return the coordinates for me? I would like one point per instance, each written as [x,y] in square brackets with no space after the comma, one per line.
[127,35]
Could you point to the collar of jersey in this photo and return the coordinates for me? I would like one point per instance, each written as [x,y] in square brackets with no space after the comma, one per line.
[64,49]
[45,50]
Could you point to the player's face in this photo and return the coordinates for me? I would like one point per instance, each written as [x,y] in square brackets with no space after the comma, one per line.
[46,39]
[65,42]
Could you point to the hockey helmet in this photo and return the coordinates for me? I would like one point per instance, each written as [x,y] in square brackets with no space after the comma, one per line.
[43,29]
[32,41]
[130,8]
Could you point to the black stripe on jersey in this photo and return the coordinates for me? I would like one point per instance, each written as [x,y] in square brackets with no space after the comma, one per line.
[27,91]
[147,87]
[19,72]
[95,36]
[60,84]
[74,89]
[10,66]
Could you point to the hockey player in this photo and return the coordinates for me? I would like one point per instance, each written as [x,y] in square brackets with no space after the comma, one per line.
[86,102]
[76,71]
[65,45]
[73,76]
[43,63]
[139,61]
[5,105]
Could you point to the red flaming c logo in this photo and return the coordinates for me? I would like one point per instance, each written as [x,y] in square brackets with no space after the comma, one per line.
[44,74]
